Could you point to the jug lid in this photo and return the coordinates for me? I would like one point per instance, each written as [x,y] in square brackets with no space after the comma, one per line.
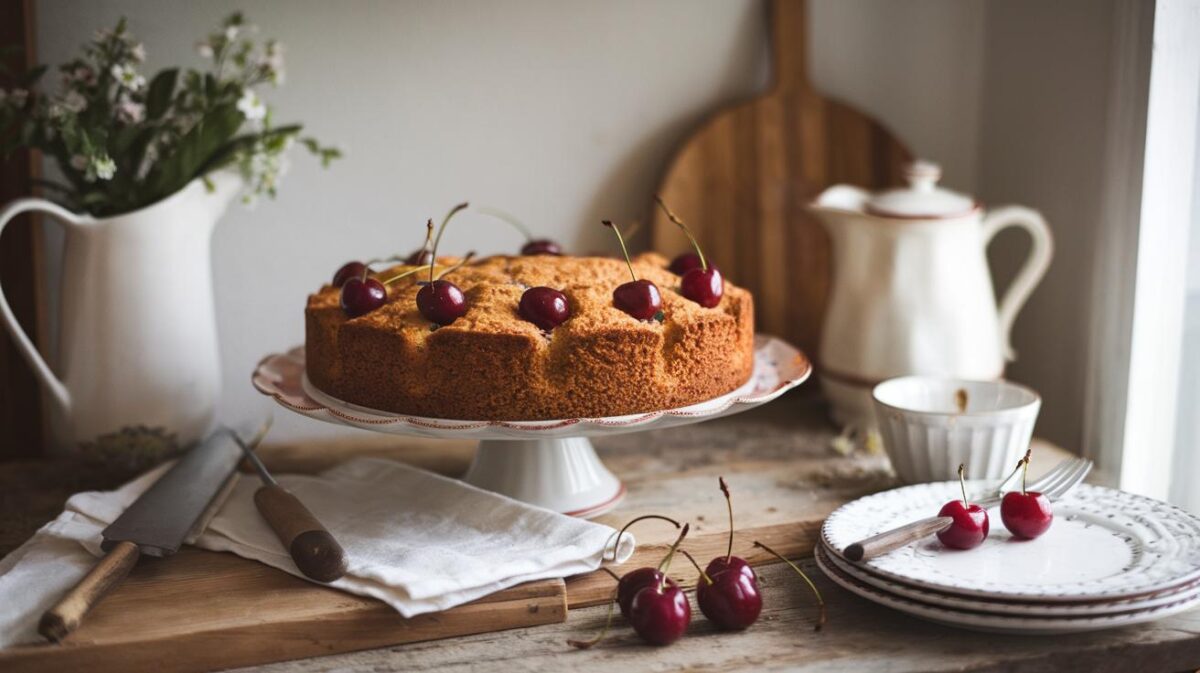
[922,198]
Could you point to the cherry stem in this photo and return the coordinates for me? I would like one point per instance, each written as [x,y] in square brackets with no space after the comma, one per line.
[456,267]
[501,215]
[587,644]
[820,601]
[441,229]
[621,240]
[410,272]
[707,579]
[1000,487]
[640,518]
[962,483]
[1025,469]
[675,218]
[728,506]
[428,244]
[665,564]
[611,573]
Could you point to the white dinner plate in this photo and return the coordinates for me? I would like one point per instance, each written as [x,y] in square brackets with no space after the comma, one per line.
[1005,607]
[1103,545]
[979,621]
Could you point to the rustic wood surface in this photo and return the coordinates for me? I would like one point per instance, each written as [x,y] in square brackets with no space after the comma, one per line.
[744,180]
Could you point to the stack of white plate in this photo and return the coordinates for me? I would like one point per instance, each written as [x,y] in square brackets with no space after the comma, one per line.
[1110,559]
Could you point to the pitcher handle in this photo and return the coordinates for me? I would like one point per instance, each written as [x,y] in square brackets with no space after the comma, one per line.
[1031,272]
[24,344]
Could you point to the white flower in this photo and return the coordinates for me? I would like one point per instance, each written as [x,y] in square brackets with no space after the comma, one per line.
[272,62]
[79,162]
[130,111]
[74,102]
[138,52]
[101,167]
[231,33]
[251,106]
[204,49]
[127,77]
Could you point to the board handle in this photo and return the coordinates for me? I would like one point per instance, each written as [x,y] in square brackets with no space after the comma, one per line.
[60,620]
[789,45]
[316,553]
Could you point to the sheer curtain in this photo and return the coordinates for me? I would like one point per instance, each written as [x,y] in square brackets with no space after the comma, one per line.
[1185,478]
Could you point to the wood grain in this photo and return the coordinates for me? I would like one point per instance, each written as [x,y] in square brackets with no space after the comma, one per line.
[65,617]
[316,553]
[744,180]
[21,432]
[200,610]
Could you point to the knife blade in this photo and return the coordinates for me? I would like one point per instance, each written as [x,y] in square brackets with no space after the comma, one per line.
[156,524]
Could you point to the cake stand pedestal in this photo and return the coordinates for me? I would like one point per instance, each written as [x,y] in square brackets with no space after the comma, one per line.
[550,464]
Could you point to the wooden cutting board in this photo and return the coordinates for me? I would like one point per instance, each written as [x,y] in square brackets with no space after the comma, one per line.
[743,180]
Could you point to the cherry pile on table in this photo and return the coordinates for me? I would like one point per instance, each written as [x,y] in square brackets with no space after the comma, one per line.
[727,591]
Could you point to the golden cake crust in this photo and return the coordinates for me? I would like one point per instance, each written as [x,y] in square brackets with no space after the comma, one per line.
[491,364]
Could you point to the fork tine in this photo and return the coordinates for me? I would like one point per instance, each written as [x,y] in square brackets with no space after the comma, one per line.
[1077,477]
[1056,473]
[1066,479]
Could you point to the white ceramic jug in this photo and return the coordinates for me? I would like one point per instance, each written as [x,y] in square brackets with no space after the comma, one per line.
[137,329]
[912,292]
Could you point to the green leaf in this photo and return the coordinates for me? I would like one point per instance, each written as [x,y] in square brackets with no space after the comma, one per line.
[193,152]
[229,151]
[161,92]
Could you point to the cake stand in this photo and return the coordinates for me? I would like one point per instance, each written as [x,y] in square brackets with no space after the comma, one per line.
[546,463]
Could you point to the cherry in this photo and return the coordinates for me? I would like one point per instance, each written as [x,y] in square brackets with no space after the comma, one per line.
[703,285]
[533,246]
[545,307]
[728,591]
[349,270]
[440,301]
[639,298]
[362,295]
[660,612]
[970,526]
[633,581]
[541,246]
[684,263]
[1026,514]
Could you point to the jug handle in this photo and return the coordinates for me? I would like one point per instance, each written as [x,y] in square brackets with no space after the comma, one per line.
[1032,270]
[24,344]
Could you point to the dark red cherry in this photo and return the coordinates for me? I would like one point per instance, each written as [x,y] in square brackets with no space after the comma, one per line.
[684,263]
[638,298]
[970,527]
[660,614]
[733,601]
[633,582]
[1026,515]
[420,257]
[360,297]
[541,246]
[705,287]
[721,563]
[349,270]
[545,307]
[441,302]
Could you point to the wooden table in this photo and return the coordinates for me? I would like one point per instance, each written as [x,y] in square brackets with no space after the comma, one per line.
[859,636]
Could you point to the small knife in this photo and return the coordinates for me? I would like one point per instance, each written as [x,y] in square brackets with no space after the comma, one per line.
[176,507]
[316,553]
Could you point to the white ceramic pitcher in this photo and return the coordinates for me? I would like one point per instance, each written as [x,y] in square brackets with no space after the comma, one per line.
[137,328]
[912,292]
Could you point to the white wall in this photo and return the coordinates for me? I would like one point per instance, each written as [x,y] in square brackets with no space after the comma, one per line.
[566,112]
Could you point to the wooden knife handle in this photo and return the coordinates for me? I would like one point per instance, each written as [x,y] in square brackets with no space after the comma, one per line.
[895,538]
[314,550]
[108,572]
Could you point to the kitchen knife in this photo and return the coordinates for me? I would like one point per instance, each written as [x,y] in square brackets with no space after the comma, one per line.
[178,505]
[316,553]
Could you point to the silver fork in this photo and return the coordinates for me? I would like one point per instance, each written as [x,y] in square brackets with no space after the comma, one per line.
[1054,485]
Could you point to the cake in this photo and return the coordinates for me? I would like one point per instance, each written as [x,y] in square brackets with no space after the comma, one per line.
[491,364]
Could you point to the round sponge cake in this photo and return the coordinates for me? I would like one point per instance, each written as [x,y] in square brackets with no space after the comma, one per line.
[493,365]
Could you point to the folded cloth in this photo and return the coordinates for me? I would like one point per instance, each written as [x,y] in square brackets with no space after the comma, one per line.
[415,540]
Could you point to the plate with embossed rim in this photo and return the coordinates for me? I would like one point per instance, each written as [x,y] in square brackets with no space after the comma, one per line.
[547,463]
[1004,607]
[1104,544]
[996,623]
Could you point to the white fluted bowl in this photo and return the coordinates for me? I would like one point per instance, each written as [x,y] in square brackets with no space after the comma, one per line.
[930,425]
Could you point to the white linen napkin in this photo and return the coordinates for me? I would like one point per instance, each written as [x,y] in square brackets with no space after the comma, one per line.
[415,540]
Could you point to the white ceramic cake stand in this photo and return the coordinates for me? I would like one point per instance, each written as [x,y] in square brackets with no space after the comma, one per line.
[546,463]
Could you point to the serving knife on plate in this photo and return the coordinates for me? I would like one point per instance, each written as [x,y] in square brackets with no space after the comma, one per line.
[174,509]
